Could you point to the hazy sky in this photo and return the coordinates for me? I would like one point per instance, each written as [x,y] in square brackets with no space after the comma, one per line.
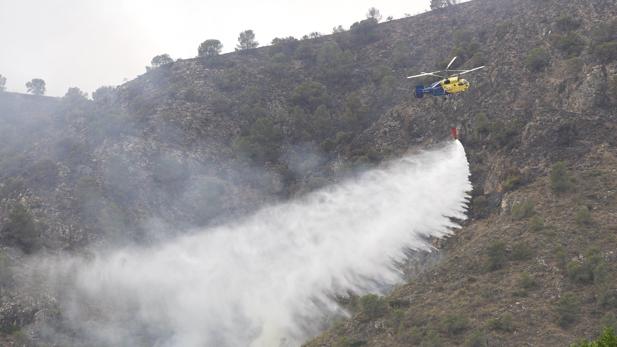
[88,43]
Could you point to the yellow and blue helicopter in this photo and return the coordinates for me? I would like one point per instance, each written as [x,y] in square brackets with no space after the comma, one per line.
[448,85]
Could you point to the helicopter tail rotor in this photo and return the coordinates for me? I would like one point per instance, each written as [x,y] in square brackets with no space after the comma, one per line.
[419,91]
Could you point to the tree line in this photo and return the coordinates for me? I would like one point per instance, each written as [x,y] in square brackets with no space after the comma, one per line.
[36,86]
[213,47]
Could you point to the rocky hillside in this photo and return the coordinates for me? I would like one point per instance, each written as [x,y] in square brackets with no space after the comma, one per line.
[200,141]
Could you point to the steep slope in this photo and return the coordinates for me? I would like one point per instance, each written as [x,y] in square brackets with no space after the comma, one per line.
[536,265]
[204,140]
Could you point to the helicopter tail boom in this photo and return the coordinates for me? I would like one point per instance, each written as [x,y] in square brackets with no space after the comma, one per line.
[434,90]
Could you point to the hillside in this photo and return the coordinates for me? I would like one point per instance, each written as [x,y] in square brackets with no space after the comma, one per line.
[202,141]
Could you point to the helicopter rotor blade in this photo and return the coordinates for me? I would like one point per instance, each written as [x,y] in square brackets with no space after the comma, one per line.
[451,62]
[423,74]
[472,70]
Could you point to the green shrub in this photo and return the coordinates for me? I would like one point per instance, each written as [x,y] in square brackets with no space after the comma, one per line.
[482,126]
[379,72]
[355,114]
[343,137]
[609,320]
[513,181]
[562,257]
[285,45]
[491,293]
[606,52]
[21,229]
[612,90]
[480,206]
[279,66]
[262,143]
[604,42]
[401,55]
[372,155]
[479,58]
[412,336]
[607,339]
[476,339]
[322,122]
[72,152]
[310,95]
[387,87]
[364,32]
[333,63]
[567,23]
[571,44]
[502,323]
[306,51]
[328,145]
[560,178]
[432,339]
[537,60]
[607,297]
[497,255]
[574,66]
[504,134]
[522,210]
[604,32]
[5,271]
[567,309]
[577,272]
[521,252]
[13,329]
[348,342]
[219,103]
[205,198]
[583,216]
[454,324]
[340,138]
[520,293]
[89,199]
[373,306]
[465,50]
[527,281]
[169,170]
[21,338]
[12,187]
[592,269]
[342,341]
[253,97]
[463,35]
[502,29]
[311,127]
[536,223]
[231,79]
[42,173]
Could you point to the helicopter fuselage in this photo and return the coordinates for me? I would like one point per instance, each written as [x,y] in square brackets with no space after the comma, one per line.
[450,84]
[454,85]
[446,86]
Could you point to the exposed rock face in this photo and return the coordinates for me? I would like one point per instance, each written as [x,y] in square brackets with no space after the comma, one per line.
[591,93]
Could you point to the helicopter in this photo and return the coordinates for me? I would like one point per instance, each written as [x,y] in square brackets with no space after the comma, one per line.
[448,85]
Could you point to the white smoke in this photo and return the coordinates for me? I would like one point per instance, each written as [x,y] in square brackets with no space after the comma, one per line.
[263,280]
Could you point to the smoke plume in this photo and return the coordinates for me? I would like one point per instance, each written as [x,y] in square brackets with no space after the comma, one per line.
[269,279]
